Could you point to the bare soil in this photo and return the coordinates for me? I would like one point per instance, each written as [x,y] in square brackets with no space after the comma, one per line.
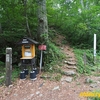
[50,90]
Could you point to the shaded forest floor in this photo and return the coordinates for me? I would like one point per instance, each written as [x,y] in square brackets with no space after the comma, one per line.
[53,90]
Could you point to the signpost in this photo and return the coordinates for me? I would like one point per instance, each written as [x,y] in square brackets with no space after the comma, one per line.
[94,52]
[8,66]
[41,47]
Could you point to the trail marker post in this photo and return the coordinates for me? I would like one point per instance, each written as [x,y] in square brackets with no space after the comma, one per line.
[8,66]
[94,52]
[41,48]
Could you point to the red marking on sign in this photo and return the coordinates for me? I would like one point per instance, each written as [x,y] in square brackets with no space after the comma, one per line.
[42,47]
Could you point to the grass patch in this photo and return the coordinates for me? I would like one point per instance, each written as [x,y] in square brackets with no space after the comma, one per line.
[15,74]
[51,76]
[97,97]
[85,62]
[2,73]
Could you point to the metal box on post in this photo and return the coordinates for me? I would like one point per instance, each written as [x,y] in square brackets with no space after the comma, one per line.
[28,52]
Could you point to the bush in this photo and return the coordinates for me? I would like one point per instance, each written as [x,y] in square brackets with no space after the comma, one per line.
[85,61]
[53,55]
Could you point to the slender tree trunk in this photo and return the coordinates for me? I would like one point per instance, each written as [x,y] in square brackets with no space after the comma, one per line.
[42,21]
[26,17]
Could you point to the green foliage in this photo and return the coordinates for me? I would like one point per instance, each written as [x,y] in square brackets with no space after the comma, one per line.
[58,77]
[2,73]
[85,61]
[53,56]
[13,24]
[95,98]
[51,76]
[15,73]
[78,23]
[2,68]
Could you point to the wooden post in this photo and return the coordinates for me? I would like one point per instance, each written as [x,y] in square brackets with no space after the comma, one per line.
[84,58]
[8,66]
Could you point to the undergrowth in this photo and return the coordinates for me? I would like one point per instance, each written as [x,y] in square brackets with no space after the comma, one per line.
[53,57]
[15,73]
[96,95]
[95,98]
[85,61]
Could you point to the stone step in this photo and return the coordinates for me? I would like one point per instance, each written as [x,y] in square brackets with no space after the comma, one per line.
[70,63]
[71,67]
[70,73]
[67,79]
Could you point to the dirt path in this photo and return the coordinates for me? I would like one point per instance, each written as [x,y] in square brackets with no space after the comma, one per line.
[49,90]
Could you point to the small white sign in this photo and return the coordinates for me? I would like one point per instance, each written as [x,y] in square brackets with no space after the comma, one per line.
[24,41]
[94,44]
[27,53]
[7,57]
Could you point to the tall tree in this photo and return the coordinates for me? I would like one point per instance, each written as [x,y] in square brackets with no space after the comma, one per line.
[42,21]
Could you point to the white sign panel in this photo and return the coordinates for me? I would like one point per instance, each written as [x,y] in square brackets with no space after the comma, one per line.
[7,57]
[27,53]
[94,44]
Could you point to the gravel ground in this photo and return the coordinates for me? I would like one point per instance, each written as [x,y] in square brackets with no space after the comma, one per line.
[45,90]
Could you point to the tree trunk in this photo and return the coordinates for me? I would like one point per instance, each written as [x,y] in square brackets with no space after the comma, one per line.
[42,21]
[26,17]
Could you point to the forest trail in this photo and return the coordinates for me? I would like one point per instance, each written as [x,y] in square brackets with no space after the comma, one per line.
[51,90]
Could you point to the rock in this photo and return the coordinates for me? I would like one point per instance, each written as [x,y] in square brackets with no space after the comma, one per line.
[10,86]
[98,82]
[56,88]
[70,73]
[15,94]
[88,80]
[62,48]
[67,79]
[1,77]
[38,92]
[93,85]
[65,62]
